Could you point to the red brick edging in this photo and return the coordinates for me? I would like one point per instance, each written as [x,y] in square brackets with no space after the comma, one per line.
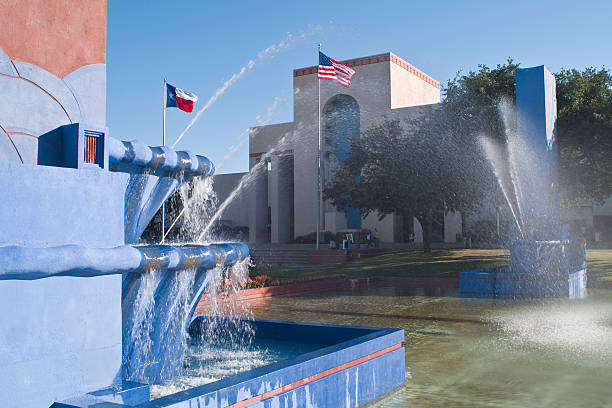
[331,284]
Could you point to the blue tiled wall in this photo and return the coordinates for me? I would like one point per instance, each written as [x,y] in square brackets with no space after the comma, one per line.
[34,102]
[59,336]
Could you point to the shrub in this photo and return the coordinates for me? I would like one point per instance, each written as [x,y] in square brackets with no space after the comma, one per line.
[257,282]
[261,281]
[311,238]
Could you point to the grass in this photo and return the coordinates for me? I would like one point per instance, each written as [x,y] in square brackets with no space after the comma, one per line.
[599,267]
[404,263]
[438,264]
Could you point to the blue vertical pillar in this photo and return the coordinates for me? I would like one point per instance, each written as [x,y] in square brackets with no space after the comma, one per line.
[536,152]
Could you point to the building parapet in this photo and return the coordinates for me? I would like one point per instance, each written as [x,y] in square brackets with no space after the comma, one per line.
[374,59]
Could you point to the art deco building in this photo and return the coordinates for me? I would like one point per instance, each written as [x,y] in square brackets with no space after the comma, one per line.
[282,201]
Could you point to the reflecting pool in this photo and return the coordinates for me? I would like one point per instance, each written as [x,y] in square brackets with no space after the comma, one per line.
[477,352]
[206,362]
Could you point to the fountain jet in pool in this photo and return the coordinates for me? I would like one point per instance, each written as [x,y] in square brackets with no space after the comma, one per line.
[544,260]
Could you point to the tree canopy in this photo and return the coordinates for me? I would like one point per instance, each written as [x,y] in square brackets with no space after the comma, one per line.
[584,121]
[584,129]
[472,101]
[391,170]
[436,162]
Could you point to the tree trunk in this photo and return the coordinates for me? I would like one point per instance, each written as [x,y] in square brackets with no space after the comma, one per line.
[426,223]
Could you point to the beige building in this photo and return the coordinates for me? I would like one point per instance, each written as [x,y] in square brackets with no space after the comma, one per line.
[282,196]
[279,199]
[592,221]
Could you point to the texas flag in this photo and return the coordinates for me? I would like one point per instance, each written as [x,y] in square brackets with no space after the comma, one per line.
[177,98]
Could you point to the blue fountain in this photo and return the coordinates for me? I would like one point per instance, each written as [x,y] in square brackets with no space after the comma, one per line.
[68,255]
[544,260]
[92,318]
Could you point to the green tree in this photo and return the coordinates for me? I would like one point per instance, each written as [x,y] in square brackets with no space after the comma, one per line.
[472,101]
[391,170]
[584,129]
[438,163]
[584,122]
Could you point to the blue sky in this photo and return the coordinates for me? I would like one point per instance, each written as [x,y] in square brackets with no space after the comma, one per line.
[199,45]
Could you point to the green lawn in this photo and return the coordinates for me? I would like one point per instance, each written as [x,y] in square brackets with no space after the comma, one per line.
[437,264]
[413,263]
[599,267]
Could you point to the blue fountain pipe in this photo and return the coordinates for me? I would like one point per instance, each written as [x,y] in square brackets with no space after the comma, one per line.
[192,256]
[153,307]
[160,160]
[155,174]
[24,263]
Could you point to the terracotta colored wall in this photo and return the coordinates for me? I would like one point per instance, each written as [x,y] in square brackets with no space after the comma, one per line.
[57,35]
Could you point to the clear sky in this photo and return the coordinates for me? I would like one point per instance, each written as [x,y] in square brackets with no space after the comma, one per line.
[199,45]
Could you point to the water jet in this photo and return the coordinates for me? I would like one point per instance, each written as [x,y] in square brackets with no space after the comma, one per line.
[544,259]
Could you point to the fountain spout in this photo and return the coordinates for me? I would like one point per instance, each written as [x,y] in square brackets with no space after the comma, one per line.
[155,174]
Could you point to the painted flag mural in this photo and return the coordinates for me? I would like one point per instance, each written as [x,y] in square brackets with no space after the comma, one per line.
[178,98]
[334,71]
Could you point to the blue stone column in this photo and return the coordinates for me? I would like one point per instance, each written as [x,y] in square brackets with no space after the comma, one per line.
[536,152]
[59,336]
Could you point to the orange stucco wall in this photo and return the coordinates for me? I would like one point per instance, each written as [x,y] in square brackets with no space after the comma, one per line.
[57,35]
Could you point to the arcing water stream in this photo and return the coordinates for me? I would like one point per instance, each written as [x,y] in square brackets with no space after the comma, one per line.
[512,163]
[176,296]
[267,52]
[247,179]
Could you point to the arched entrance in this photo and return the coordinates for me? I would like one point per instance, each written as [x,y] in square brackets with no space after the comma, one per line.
[340,124]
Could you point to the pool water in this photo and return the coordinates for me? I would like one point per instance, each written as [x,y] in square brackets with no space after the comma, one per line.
[477,352]
[206,363]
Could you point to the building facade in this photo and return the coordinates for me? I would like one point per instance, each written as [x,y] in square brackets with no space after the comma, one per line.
[40,89]
[280,202]
[282,197]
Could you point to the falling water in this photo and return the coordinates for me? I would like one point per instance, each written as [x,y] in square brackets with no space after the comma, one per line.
[222,347]
[537,209]
[507,112]
[222,299]
[199,204]
[139,334]
[495,157]
[165,301]
[175,321]
[515,165]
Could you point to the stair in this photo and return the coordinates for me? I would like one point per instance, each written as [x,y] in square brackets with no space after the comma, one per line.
[279,256]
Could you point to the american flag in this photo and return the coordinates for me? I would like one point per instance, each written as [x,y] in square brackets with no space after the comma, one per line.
[334,71]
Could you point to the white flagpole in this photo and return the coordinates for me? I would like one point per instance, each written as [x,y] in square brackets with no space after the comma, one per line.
[164,100]
[319,157]
[163,231]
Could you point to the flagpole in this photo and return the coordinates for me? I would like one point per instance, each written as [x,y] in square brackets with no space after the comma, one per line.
[163,229]
[164,100]
[319,156]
